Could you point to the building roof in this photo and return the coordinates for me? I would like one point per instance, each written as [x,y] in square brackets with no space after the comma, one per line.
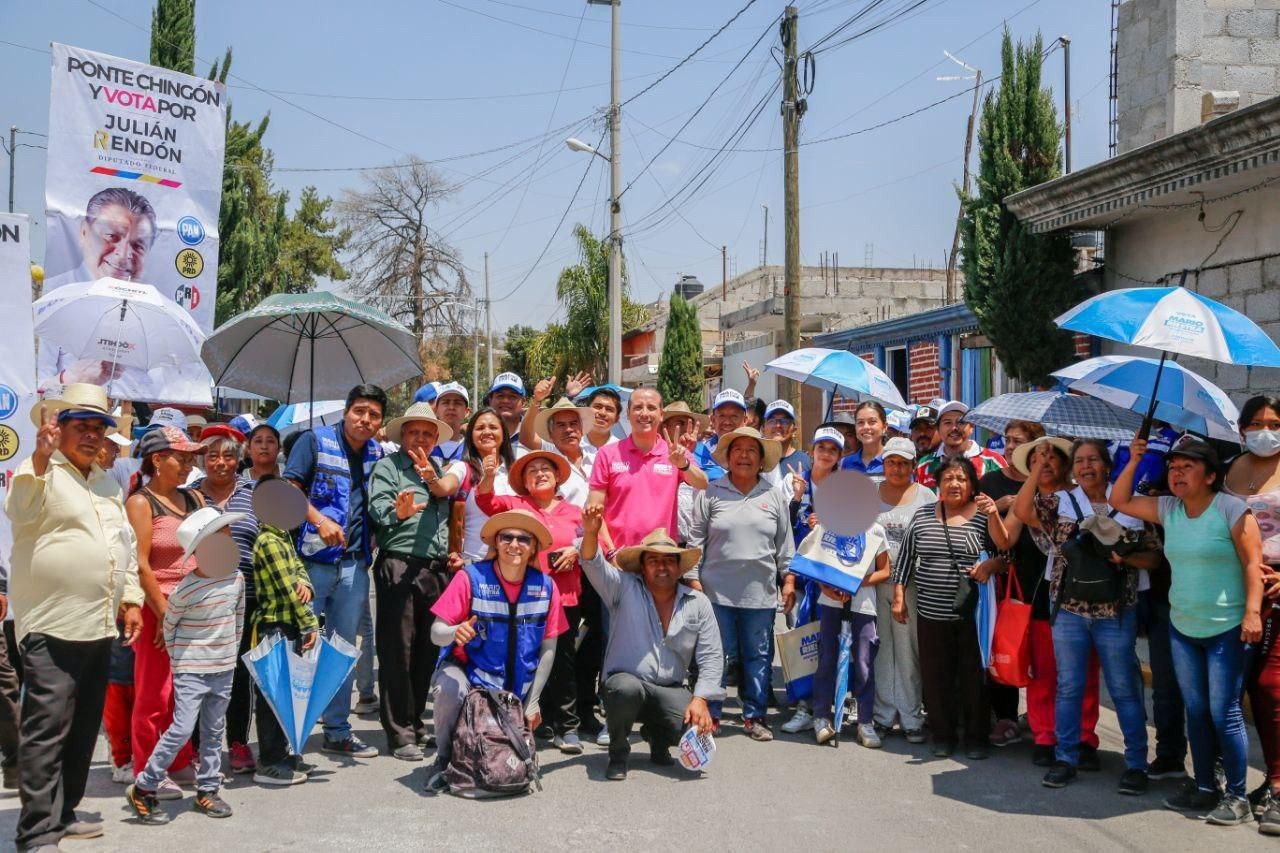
[949,319]
[1230,155]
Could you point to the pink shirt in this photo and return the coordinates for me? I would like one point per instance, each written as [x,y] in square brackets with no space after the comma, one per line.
[454,604]
[563,522]
[639,488]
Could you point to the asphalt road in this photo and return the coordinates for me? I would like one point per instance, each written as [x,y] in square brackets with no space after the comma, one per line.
[789,794]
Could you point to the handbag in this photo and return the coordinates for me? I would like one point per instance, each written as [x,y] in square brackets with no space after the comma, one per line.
[798,651]
[965,603]
[1088,574]
[1011,642]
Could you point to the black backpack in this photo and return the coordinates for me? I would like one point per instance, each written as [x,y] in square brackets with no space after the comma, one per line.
[1088,574]
[493,751]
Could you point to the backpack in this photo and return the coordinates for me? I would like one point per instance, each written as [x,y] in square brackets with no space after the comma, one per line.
[1088,574]
[493,751]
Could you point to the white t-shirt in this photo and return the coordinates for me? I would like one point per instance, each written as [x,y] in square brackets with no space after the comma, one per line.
[1086,508]
[473,547]
[864,600]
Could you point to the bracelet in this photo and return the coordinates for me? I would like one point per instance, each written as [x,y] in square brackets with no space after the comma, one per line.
[686,467]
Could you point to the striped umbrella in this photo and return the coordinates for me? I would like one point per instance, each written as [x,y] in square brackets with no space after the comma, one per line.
[1071,415]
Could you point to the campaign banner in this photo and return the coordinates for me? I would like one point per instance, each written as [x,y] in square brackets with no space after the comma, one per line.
[17,358]
[132,189]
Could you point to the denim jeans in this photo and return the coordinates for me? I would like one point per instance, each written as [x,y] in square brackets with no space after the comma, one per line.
[198,699]
[1211,675]
[342,593]
[1074,638]
[1167,712]
[745,634]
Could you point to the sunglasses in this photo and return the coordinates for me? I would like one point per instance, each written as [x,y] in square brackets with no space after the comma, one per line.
[519,538]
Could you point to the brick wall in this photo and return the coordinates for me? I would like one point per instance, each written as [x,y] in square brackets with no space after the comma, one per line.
[926,377]
[1083,346]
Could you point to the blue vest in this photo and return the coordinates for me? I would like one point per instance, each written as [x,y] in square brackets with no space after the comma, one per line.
[331,493]
[504,653]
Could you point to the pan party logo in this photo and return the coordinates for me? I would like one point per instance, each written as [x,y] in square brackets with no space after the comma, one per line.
[8,443]
[189,263]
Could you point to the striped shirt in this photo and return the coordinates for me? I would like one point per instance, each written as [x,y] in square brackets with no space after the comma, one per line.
[925,560]
[203,622]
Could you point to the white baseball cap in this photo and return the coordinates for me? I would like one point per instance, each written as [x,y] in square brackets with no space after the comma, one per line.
[453,388]
[952,406]
[167,416]
[730,397]
[508,380]
[779,406]
[830,434]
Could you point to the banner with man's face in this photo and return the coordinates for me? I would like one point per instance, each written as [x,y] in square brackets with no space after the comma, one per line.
[132,190]
[17,358]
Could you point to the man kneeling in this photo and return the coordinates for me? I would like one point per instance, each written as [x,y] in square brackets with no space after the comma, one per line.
[647,659]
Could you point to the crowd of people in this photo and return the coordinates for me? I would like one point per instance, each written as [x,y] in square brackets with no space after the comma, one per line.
[633,574]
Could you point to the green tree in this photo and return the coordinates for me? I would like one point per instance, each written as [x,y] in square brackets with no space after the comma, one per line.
[520,354]
[1016,282]
[173,35]
[680,373]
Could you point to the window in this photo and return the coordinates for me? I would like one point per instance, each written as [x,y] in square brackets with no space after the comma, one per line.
[899,369]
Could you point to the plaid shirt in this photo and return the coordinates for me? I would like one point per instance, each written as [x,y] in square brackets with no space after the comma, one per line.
[984,462]
[277,571]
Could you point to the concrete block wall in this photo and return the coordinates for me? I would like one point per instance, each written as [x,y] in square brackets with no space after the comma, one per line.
[1252,288]
[1171,51]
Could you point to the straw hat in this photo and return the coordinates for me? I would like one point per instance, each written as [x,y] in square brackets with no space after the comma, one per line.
[542,420]
[770,450]
[1020,453]
[418,412]
[630,559]
[680,409]
[519,519]
[515,476]
[81,398]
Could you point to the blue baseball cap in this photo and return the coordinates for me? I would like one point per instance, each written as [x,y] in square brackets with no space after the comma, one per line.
[427,393]
[508,381]
[780,406]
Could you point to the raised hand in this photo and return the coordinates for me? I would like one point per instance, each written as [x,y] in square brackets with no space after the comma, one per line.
[406,507]
[592,519]
[574,384]
[752,373]
[489,467]
[542,390]
[798,484]
[422,464]
[679,455]
[48,437]
[466,632]
[1137,448]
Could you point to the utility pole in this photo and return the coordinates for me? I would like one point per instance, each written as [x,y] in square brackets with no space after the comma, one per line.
[764,253]
[615,187]
[968,149]
[13,156]
[488,321]
[1066,102]
[793,107]
[724,272]
[475,347]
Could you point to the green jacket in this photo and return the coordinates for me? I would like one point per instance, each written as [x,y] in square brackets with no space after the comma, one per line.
[424,535]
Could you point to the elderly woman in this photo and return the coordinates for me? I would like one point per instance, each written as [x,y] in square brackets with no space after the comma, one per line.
[536,478]
[1102,623]
[941,556]
[155,511]
[222,487]
[1214,550]
[486,644]
[743,527]
[1254,477]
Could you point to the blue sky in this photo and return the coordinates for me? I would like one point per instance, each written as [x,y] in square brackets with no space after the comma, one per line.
[360,85]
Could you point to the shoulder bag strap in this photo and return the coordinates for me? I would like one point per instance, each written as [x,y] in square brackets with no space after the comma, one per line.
[946,534]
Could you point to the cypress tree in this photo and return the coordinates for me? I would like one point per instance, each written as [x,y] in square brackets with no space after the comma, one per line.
[1016,282]
[173,35]
[680,368]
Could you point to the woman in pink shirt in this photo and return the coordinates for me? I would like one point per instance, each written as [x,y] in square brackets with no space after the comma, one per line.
[536,478]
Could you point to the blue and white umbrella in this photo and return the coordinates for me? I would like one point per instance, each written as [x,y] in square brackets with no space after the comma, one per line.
[1183,397]
[986,619]
[295,416]
[1059,413]
[838,371]
[843,659]
[298,687]
[1174,319]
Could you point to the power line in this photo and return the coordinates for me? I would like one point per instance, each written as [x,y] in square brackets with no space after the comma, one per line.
[595,21]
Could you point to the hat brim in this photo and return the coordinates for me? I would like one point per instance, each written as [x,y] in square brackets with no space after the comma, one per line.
[519,520]
[770,450]
[515,476]
[212,432]
[504,387]
[118,439]
[631,559]
[444,431]
[542,420]
[54,408]
[1018,459]
[224,520]
[699,419]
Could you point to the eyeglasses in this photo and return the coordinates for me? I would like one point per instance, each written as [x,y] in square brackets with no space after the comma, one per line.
[519,538]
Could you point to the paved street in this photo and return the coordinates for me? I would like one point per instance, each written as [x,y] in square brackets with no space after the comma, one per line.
[788,794]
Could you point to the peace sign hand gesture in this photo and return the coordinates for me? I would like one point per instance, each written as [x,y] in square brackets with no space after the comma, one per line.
[679,455]
[798,484]
[48,437]
[422,464]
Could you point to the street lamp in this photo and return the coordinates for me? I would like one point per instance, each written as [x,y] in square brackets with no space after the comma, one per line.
[579,145]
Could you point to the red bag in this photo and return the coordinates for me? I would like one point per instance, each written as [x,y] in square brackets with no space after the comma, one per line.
[1010,645]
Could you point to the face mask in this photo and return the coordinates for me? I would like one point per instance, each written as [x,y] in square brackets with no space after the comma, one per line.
[1263,442]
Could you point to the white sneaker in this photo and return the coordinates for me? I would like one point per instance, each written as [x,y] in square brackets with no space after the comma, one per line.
[823,731]
[602,739]
[802,721]
[868,736]
[122,775]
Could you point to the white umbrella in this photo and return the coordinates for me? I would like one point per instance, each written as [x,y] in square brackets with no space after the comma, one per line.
[295,416]
[121,323]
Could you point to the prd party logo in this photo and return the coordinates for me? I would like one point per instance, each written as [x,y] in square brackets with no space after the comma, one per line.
[8,443]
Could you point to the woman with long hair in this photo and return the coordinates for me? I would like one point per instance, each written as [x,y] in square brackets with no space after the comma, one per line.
[487,437]
[869,425]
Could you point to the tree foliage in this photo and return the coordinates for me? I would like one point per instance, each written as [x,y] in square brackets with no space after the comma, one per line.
[173,35]
[1016,282]
[520,354]
[680,373]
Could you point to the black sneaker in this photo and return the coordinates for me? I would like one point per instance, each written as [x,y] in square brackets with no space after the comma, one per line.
[211,804]
[661,756]
[1133,782]
[1042,755]
[544,732]
[437,784]
[301,766]
[1166,767]
[1087,758]
[1230,811]
[352,747]
[1258,797]
[1060,775]
[617,769]
[145,806]
[1269,820]
[943,748]
[1192,799]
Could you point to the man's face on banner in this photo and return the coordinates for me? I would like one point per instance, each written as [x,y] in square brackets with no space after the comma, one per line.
[116,242]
